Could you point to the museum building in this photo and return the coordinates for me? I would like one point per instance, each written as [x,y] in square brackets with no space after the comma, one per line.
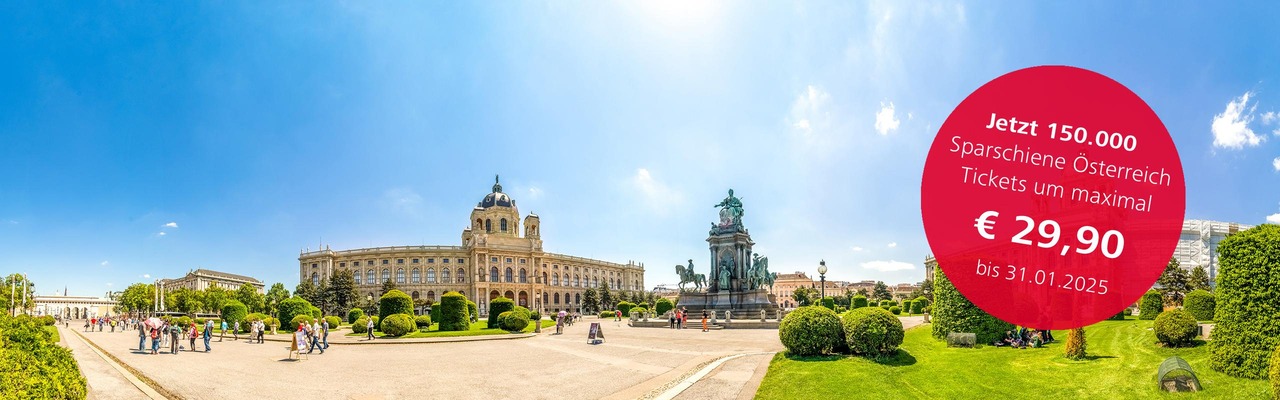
[494,260]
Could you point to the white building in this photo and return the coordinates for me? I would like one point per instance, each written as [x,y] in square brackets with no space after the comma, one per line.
[1198,245]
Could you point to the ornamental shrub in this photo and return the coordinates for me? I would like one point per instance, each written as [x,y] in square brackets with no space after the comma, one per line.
[360,325]
[534,315]
[953,313]
[1200,303]
[298,319]
[33,366]
[376,320]
[1150,306]
[1275,374]
[885,304]
[662,306]
[872,331]
[436,311]
[271,321]
[1247,296]
[249,319]
[497,307]
[234,311]
[453,312]
[858,301]
[919,306]
[829,302]
[1075,347]
[811,330]
[515,320]
[354,314]
[1175,328]
[625,307]
[1118,317]
[332,320]
[184,321]
[46,320]
[607,314]
[292,307]
[895,310]
[423,322]
[394,302]
[397,325]
[473,311]
[314,311]
[638,312]
[1128,312]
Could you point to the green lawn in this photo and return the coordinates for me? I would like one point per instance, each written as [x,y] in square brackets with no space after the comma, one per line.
[477,329]
[1122,364]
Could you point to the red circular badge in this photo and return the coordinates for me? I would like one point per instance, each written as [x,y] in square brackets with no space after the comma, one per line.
[1053,197]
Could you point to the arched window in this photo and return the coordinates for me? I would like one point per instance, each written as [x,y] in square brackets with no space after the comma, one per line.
[315,279]
[577,298]
[523,299]
[386,274]
[399,275]
[557,298]
[444,275]
[555,279]
[369,278]
[524,276]
[544,299]
[544,279]
[415,293]
[577,281]
[488,226]
[564,280]
[493,274]
[431,275]
[595,281]
[431,296]
[415,276]
[503,224]
[494,294]
[357,277]
[510,295]
[508,274]
[462,276]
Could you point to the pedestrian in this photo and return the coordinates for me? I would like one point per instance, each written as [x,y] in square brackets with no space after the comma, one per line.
[193,333]
[314,332]
[224,331]
[175,332]
[262,330]
[704,320]
[142,337]
[324,331]
[617,315]
[86,325]
[559,324]
[684,316]
[113,326]
[208,334]
[235,332]
[671,320]
[369,328]
[155,341]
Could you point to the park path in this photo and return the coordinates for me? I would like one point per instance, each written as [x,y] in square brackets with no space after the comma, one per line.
[106,379]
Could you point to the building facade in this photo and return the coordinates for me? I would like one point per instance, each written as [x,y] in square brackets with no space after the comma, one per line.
[785,285]
[75,307]
[1198,244]
[498,257]
[201,279]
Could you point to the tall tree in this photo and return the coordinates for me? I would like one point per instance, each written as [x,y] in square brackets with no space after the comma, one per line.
[138,297]
[342,291]
[590,302]
[1199,279]
[274,296]
[864,293]
[804,296]
[321,298]
[305,290]
[249,295]
[215,297]
[387,286]
[926,289]
[606,298]
[12,297]
[881,291]
[1173,283]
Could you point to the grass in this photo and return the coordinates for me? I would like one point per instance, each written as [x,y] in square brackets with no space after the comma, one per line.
[1122,363]
[477,329]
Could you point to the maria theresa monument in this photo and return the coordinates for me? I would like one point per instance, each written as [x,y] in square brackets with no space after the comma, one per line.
[737,278]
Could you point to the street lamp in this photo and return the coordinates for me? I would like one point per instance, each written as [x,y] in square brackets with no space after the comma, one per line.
[822,276]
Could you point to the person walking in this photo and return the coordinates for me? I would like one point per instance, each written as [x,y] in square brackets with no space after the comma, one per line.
[324,332]
[175,332]
[142,337]
[208,334]
[262,330]
[369,328]
[313,336]
[86,325]
[704,320]
[223,333]
[155,341]
[236,331]
[193,333]
[617,315]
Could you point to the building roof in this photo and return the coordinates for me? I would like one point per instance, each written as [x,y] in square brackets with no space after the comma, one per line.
[496,198]
[217,274]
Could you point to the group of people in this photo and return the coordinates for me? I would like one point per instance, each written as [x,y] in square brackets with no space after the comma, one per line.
[1022,337]
[565,318]
[318,334]
[103,323]
[678,318]
[169,334]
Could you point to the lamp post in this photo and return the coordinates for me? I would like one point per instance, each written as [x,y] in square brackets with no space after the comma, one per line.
[822,276]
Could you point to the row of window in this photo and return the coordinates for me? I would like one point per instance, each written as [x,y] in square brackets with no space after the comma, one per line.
[398,261]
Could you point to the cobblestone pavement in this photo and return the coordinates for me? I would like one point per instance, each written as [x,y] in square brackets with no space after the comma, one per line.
[631,363]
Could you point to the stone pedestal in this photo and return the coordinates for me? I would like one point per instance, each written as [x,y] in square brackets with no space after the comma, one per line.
[740,303]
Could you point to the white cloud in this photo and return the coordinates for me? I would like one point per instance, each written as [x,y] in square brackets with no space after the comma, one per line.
[1274,218]
[161,233]
[1269,117]
[657,195]
[1276,164]
[145,276]
[109,284]
[857,248]
[105,263]
[893,244]
[888,266]
[402,200]
[535,193]
[810,111]
[171,225]
[1231,127]
[886,121]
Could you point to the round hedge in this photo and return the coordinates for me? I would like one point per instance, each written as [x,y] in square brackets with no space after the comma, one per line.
[423,322]
[1247,295]
[662,306]
[859,301]
[333,321]
[397,325]
[895,310]
[292,307]
[234,311]
[361,325]
[952,312]
[534,315]
[917,306]
[1151,305]
[315,312]
[436,311]
[394,302]
[607,314]
[811,330]
[453,312]
[515,320]
[271,321]
[183,321]
[1175,328]
[473,311]
[298,319]
[250,319]
[872,331]
[497,307]
[625,307]
[1200,303]
[376,319]
[354,315]
[638,312]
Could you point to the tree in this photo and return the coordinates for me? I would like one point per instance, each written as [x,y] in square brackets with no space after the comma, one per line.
[342,291]
[276,295]
[952,313]
[305,290]
[590,302]
[1173,283]
[1199,279]
[215,297]
[863,292]
[804,296]
[926,289]
[248,295]
[16,299]
[881,292]
[387,286]
[321,298]
[1075,347]
[138,297]
[606,298]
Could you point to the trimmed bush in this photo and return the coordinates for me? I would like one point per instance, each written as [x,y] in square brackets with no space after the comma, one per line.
[397,325]
[872,331]
[885,304]
[33,366]
[46,320]
[829,302]
[919,305]
[453,312]
[271,321]
[534,315]
[607,314]
[332,320]
[1151,305]
[895,310]
[515,320]
[473,311]
[625,307]
[436,311]
[360,325]
[298,319]
[183,321]
[953,313]
[234,311]
[376,320]
[249,319]
[638,312]
[858,301]
[1128,312]
[1075,347]
[662,306]
[1175,328]
[354,314]
[1118,317]
[292,307]
[811,330]
[394,302]
[1200,303]
[315,313]
[1245,319]
[497,307]
[1275,374]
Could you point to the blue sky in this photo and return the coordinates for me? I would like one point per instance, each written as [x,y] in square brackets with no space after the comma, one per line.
[142,140]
